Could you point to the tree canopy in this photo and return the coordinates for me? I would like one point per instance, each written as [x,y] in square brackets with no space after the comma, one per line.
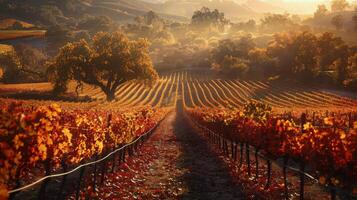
[294,56]
[23,63]
[339,5]
[109,60]
[337,21]
[230,57]
[278,22]
[95,23]
[305,55]
[205,18]
[321,11]
[354,18]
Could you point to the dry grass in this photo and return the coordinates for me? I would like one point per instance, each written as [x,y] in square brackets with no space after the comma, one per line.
[6,23]
[25,87]
[13,34]
[5,48]
[34,87]
[43,91]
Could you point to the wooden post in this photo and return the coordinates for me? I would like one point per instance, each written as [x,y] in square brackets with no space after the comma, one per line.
[286,192]
[241,153]
[95,174]
[104,170]
[256,163]
[232,149]
[302,180]
[81,173]
[268,174]
[63,182]
[120,157]
[235,150]
[226,148]
[247,158]
[303,122]
[220,142]
[114,160]
[123,154]
[42,191]
[129,150]
[17,182]
[132,149]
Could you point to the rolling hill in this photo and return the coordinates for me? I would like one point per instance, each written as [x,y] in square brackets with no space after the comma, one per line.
[125,10]
[263,7]
[171,9]
[186,8]
[9,22]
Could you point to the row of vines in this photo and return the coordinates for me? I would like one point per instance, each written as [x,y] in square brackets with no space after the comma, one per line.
[328,149]
[51,139]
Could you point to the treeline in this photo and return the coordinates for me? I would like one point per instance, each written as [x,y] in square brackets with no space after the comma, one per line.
[23,64]
[301,57]
[341,15]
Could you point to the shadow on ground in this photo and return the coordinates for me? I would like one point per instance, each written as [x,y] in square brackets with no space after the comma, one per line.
[207,177]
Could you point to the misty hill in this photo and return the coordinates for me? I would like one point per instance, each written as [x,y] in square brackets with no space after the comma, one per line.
[48,13]
[186,8]
[263,7]
[123,10]
[9,23]
[171,9]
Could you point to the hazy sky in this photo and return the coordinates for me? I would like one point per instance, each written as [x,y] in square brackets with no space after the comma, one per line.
[293,6]
[300,6]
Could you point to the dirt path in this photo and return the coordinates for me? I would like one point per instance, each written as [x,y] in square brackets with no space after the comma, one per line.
[173,164]
[206,176]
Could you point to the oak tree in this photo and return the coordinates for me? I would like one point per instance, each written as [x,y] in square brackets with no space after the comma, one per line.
[23,64]
[108,61]
[207,19]
[297,54]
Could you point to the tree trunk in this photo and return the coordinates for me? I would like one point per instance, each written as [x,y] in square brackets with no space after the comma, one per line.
[110,95]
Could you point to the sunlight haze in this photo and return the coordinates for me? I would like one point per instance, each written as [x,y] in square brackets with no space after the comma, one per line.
[178,99]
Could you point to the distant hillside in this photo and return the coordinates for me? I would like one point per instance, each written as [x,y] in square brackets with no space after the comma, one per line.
[298,6]
[232,10]
[263,7]
[124,10]
[171,9]
[9,22]
[48,13]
